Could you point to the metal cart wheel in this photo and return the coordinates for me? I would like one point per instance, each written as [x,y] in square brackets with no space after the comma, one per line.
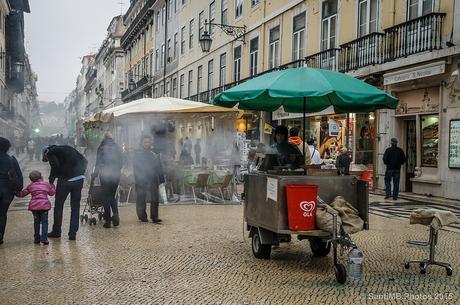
[340,273]
[319,247]
[260,251]
[449,272]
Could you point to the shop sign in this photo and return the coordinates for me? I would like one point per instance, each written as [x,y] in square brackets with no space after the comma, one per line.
[280,114]
[414,73]
[272,189]
[334,128]
[454,143]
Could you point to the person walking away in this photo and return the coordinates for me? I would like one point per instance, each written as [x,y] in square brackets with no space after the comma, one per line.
[148,175]
[11,182]
[39,204]
[109,161]
[198,151]
[68,166]
[31,149]
[393,158]
[314,153]
[296,140]
[342,163]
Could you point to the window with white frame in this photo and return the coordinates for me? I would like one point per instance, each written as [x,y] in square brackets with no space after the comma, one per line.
[157,23]
[367,17]
[237,64]
[238,8]
[201,24]
[175,6]
[418,8]
[210,74]
[224,12]
[181,85]
[170,10]
[190,83]
[223,69]
[162,56]
[163,14]
[157,60]
[190,34]
[199,80]
[182,40]
[253,56]
[169,54]
[298,37]
[167,88]
[174,87]
[274,47]
[175,46]
[212,15]
[254,2]
[328,24]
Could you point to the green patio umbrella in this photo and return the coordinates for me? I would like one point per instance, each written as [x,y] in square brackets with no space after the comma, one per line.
[317,88]
[306,90]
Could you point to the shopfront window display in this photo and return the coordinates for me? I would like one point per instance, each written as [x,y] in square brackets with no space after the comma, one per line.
[430,139]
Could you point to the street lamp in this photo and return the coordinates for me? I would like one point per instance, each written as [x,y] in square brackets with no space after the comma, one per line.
[237,32]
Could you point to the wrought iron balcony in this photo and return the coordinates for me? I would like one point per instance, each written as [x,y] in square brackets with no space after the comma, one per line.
[327,59]
[362,52]
[414,36]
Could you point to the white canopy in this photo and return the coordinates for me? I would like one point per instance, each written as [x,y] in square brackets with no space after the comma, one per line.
[165,105]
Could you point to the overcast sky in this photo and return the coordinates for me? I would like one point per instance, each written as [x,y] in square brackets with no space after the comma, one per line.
[59,33]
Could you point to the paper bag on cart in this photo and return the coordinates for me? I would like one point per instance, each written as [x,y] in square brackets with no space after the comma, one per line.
[324,218]
[351,222]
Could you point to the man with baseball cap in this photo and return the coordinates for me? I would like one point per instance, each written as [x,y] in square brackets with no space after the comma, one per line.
[393,158]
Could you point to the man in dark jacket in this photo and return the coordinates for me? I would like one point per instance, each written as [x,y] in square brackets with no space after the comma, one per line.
[393,158]
[148,176]
[109,162]
[68,166]
[9,169]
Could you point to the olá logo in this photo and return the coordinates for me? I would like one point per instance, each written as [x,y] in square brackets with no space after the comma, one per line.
[307,207]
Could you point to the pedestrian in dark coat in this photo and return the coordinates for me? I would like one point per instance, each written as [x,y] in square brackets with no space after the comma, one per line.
[68,166]
[9,167]
[148,176]
[109,161]
[393,158]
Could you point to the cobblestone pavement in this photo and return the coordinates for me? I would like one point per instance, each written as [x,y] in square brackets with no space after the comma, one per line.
[201,255]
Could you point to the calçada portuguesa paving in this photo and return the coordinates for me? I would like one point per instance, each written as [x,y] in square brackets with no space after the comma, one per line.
[202,255]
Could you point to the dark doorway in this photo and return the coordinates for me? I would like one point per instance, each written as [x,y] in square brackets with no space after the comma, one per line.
[411,149]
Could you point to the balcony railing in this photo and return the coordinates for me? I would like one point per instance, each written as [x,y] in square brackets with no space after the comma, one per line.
[327,59]
[361,52]
[414,36]
[206,96]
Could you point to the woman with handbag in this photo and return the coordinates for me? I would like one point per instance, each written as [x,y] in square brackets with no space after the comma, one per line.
[11,182]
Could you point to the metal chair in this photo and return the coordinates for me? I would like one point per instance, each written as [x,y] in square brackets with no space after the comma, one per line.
[201,184]
[433,240]
[224,185]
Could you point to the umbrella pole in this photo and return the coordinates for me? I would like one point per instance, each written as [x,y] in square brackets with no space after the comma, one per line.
[304,123]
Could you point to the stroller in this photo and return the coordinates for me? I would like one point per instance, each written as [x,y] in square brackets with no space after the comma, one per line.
[94,205]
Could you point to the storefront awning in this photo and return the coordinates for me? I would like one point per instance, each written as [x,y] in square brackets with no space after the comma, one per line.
[166,105]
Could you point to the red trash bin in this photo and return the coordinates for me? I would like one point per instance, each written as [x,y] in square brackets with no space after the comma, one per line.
[301,206]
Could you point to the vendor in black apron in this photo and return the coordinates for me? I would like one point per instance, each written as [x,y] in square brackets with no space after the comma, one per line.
[288,154]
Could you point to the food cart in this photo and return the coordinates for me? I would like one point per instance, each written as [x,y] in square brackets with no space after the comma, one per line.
[265,213]
[302,90]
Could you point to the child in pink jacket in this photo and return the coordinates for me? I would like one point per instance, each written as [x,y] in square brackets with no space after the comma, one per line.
[39,204]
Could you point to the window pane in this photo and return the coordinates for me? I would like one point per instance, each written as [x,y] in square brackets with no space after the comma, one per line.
[275,34]
[430,139]
[427,7]
[299,22]
[329,8]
